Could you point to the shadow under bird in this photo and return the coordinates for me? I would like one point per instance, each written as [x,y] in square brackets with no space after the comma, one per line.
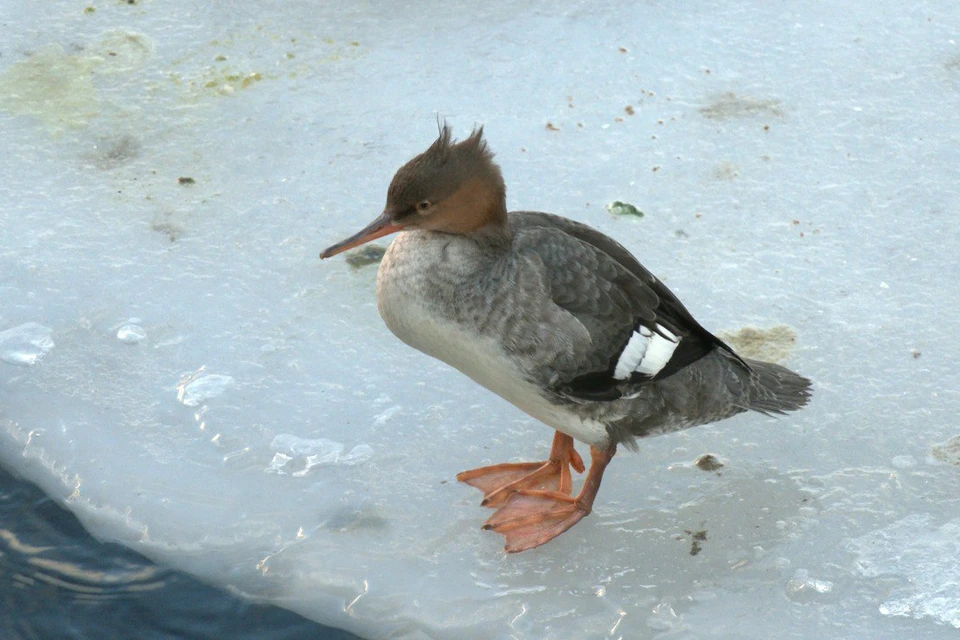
[557,318]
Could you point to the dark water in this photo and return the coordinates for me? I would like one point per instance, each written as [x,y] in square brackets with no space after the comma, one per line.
[56,582]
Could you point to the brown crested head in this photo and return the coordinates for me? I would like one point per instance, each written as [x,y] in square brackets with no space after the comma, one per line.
[453,187]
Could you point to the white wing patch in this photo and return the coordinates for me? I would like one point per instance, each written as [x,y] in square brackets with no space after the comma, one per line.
[646,352]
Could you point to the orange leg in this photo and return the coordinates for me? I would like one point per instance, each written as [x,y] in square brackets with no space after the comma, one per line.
[499,481]
[532,517]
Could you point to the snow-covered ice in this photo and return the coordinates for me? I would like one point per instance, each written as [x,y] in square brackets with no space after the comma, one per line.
[179,369]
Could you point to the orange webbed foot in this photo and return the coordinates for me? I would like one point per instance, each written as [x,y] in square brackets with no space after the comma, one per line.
[528,518]
[531,518]
[499,481]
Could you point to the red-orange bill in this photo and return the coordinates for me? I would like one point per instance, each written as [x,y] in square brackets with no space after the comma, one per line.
[380,227]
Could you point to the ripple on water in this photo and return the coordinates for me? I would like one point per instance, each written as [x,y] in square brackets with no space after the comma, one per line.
[30,565]
[26,344]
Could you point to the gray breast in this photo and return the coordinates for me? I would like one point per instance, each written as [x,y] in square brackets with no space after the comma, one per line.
[442,295]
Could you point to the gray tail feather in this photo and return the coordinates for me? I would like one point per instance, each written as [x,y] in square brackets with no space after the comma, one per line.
[774,389]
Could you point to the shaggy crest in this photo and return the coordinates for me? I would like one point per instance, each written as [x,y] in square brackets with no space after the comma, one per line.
[444,167]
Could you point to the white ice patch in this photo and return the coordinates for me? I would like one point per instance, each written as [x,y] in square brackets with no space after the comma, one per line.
[192,391]
[130,332]
[646,352]
[920,555]
[802,587]
[25,344]
[296,456]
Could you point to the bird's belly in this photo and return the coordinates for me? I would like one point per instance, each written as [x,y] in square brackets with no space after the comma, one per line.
[480,357]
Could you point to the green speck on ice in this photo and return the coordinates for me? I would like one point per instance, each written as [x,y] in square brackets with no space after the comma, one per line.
[618,208]
[370,254]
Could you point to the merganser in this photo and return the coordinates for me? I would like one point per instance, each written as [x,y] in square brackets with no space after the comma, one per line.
[558,319]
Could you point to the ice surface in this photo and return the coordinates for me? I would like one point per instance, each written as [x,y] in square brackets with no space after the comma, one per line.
[802,585]
[25,344]
[291,451]
[196,388]
[917,557]
[131,332]
[221,401]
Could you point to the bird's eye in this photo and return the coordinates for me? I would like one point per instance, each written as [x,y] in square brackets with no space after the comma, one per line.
[423,206]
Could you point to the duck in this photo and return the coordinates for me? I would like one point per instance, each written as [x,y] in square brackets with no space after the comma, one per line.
[558,319]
